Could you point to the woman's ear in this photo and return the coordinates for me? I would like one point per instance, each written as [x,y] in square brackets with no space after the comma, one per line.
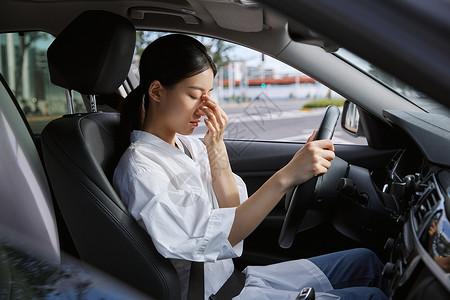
[155,90]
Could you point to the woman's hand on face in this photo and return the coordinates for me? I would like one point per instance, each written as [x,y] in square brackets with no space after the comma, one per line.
[223,182]
[216,120]
[312,160]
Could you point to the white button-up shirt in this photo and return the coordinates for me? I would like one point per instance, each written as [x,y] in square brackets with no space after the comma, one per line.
[171,196]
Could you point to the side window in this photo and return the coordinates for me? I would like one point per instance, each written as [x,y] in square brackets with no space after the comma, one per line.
[264,98]
[23,64]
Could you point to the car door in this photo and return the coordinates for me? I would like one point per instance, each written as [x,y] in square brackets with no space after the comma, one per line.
[259,160]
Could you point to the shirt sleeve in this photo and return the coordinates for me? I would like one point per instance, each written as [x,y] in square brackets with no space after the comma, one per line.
[242,188]
[199,148]
[182,223]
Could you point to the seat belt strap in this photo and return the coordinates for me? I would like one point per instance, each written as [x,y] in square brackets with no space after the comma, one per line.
[231,288]
[196,288]
[186,150]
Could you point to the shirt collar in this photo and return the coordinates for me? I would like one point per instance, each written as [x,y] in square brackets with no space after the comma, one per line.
[149,138]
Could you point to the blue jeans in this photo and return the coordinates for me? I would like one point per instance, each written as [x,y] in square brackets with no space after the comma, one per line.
[354,274]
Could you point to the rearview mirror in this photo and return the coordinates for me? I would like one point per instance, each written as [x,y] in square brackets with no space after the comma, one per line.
[350,121]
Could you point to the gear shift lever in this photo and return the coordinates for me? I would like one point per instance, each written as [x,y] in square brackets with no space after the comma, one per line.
[306,293]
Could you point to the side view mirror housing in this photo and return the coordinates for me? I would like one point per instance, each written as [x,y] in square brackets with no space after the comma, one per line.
[350,121]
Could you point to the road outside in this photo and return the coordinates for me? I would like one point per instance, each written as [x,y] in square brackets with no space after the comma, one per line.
[282,120]
[262,119]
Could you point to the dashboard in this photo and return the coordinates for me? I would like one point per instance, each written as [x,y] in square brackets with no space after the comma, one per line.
[419,183]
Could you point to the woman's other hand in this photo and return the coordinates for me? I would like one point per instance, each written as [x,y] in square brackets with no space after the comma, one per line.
[313,159]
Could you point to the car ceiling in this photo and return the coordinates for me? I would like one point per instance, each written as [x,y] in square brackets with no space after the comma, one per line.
[216,18]
[251,25]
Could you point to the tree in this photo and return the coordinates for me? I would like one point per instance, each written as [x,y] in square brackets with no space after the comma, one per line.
[144,38]
[25,42]
[218,50]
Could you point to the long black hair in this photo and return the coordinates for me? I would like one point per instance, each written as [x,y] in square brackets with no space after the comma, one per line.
[169,59]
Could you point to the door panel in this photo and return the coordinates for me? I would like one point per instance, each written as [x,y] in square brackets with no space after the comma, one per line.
[255,163]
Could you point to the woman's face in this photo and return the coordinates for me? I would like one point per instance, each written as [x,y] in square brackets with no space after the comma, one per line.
[182,105]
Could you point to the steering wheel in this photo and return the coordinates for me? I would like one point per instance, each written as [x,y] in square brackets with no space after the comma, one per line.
[301,197]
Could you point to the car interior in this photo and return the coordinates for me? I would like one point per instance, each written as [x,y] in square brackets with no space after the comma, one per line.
[56,187]
[81,151]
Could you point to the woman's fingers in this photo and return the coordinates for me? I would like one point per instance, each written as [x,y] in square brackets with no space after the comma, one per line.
[319,165]
[216,120]
[328,154]
[312,137]
[320,155]
[211,117]
[224,116]
[217,111]
[210,127]
[324,144]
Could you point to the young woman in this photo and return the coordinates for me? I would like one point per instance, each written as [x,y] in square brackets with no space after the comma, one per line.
[183,191]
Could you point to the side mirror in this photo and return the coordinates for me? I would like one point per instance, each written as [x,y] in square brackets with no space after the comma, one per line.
[350,121]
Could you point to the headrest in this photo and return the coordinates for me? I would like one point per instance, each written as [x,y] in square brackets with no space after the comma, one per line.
[93,54]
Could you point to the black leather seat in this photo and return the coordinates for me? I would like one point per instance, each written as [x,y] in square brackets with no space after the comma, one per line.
[93,56]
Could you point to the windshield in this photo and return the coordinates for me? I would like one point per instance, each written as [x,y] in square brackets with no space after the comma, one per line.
[408,92]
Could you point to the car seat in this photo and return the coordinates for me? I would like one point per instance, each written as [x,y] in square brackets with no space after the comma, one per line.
[93,56]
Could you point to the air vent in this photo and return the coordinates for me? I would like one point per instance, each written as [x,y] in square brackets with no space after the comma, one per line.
[429,198]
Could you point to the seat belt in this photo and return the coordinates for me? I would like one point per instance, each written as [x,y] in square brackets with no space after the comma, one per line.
[196,289]
[231,288]
[186,150]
